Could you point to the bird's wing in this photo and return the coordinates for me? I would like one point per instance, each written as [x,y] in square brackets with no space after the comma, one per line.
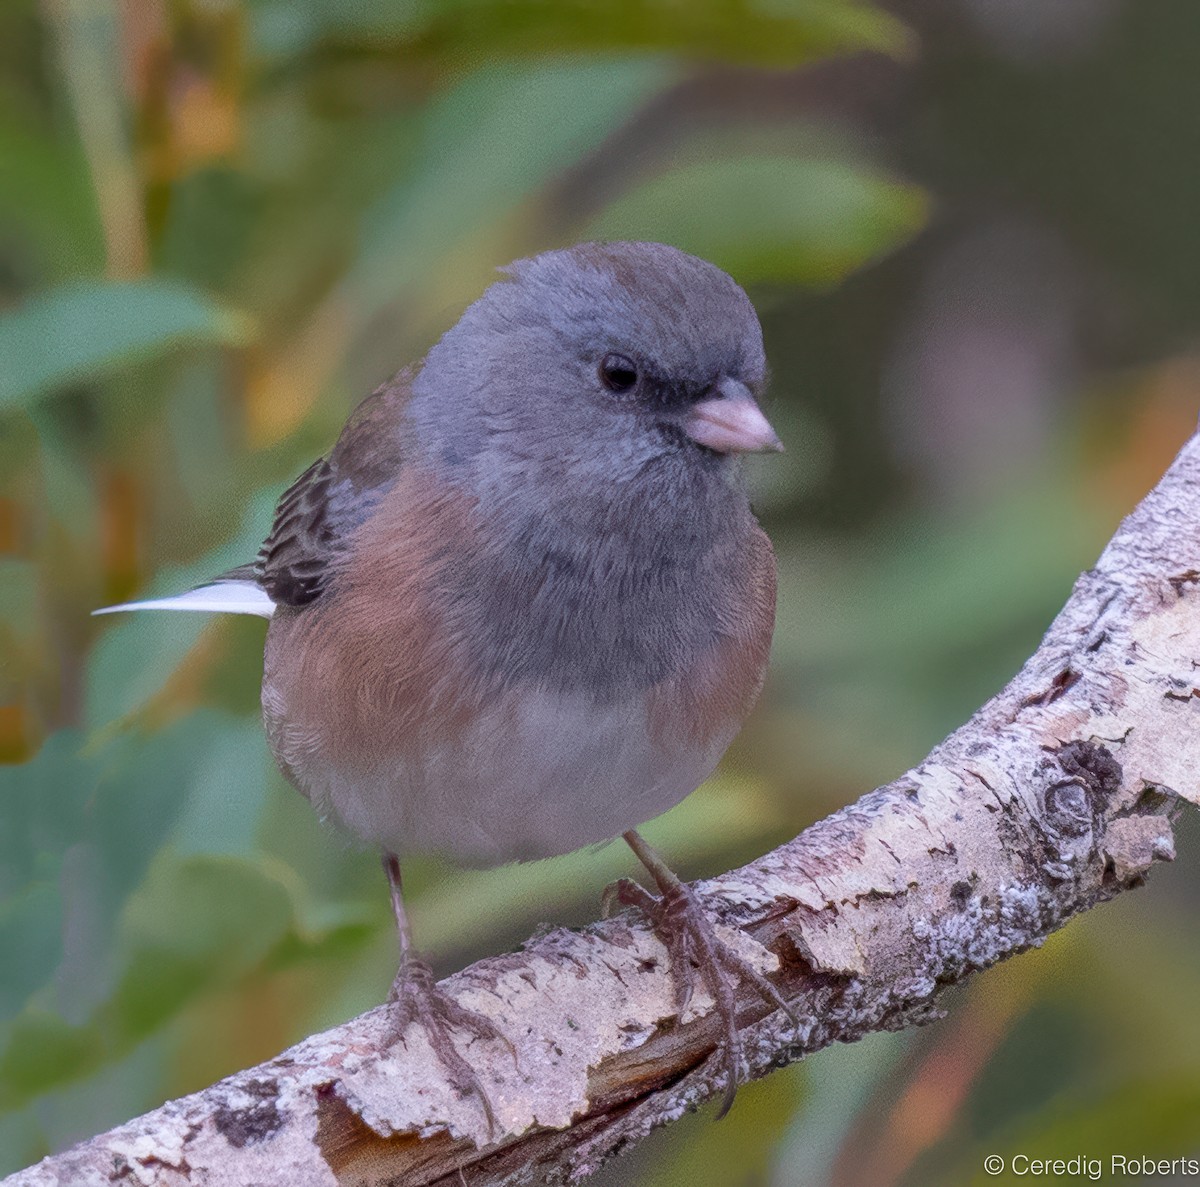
[295,562]
[317,514]
[313,520]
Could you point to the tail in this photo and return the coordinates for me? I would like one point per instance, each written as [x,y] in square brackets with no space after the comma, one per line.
[228,597]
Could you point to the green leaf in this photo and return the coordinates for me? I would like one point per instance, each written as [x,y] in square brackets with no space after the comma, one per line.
[701,1154]
[31,940]
[485,145]
[42,804]
[840,1082]
[44,1050]
[1143,1118]
[18,593]
[770,218]
[47,198]
[762,32]
[141,794]
[197,923]
[80,827]
[228,788]
[82,331]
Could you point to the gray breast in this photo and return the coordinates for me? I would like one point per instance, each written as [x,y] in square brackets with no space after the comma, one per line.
[610,610]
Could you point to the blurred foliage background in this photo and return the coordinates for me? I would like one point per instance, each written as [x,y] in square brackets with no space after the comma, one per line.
[969,228]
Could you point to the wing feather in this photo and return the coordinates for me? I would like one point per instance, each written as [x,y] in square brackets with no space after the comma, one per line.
[314,518]
[317,514]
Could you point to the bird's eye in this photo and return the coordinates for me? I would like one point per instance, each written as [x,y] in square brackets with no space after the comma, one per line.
[618,373]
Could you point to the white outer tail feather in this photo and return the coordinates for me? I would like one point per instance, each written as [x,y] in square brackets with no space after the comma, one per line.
[227,597]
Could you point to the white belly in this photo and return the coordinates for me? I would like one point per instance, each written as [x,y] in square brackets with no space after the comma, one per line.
[533,776]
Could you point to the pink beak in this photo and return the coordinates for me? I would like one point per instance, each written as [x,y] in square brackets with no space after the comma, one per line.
[731,422]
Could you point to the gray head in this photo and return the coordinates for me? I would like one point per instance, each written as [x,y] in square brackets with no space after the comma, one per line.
[604,373]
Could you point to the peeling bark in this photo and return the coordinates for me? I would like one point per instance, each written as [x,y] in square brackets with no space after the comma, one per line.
[1058,794]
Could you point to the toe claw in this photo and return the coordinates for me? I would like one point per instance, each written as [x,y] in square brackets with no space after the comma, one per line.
[679,920]
[415,997]
[610,900]
[624,892]
[733,1075]
[748,972]
[684,988]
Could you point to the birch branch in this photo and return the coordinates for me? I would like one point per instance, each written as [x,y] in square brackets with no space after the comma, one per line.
[1057,795]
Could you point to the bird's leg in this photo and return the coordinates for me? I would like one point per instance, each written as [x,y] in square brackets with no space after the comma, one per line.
[415,997]
[679,920]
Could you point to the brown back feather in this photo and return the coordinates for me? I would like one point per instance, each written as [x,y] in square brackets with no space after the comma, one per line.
[317,514]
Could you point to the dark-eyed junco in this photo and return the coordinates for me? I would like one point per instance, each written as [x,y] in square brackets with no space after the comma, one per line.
[523,605]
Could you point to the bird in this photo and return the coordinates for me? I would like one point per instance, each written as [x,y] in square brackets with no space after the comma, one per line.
[523,605]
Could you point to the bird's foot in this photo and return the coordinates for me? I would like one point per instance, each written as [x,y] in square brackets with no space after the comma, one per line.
[679,920]
[415,997]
